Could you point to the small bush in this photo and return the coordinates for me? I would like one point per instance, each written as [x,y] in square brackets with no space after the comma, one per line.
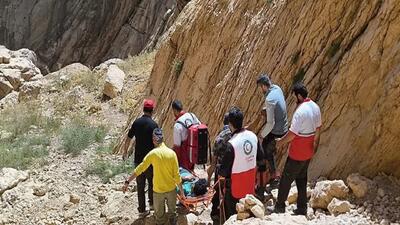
[295,57]
[93,82]
[178,65]
[107,170]
[299,76]
[79,135]
[335,47]
[104,149]
[20,153]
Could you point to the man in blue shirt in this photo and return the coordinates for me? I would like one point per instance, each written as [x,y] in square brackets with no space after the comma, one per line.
[276,125]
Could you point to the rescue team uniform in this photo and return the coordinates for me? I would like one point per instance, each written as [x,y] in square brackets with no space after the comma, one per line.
[181,145]
[239,168]
[306,120]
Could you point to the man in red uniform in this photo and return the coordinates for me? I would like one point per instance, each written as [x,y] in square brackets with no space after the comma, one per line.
[303,137]
[238,166]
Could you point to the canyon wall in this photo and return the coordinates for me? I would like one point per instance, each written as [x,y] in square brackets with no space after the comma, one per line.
[346,52]
[86,31]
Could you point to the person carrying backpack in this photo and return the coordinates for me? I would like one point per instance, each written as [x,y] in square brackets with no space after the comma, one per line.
[183,121]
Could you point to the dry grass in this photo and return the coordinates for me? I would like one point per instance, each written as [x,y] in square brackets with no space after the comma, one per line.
[137,70]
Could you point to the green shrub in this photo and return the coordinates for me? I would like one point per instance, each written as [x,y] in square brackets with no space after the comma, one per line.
[295,57]
[102,149]
[20,153]
[335,47]
[178,65]
[106,170]
[79,135]
[299,76]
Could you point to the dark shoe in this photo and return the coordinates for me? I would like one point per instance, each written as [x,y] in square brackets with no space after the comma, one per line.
[298,212]
[260,193]
[279,209]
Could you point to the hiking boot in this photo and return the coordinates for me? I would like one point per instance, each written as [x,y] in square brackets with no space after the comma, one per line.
[300,212]
[274,183]
[144,214]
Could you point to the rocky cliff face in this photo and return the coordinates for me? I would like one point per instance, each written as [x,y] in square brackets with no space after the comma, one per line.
[346,52]
[62,32]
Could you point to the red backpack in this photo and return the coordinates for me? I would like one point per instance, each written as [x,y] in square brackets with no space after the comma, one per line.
[197,142]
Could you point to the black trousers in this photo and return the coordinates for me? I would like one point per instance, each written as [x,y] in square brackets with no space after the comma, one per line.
[141,184]
[215,213]
[294,171]
[229,200]
[269,146]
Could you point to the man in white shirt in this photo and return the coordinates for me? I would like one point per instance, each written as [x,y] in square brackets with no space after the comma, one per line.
[183,120]
[303,137]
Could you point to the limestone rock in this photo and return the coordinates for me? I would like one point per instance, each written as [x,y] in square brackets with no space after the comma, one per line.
[325,191]
[13,76]
[5,87]
[30,90]
[65,73]
[4,56]
[114,81]
[27,68]
[251,200]
[359,184]
[243,215]
[273,219]
[9,178]
[40,190]
[104,66]
[337,206]
[331,61]
[116,29]
[258,211]
[75,199]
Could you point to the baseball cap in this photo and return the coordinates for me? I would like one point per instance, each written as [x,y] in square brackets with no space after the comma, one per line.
[148,104]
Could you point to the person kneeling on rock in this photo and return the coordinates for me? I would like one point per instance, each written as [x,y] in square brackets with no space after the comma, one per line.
[165,178]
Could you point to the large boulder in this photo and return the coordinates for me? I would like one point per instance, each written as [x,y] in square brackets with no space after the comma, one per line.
[10,100]
[325,191]
[4,56]
[9,178]
[67,72]
[5,87]
[26,66]
[337,206]
[359,185]
[13,76]
[114,81]
[30,90]
[104,66]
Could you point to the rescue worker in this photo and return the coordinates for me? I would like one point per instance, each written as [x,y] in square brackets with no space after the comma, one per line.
[142,129]
[303,136]
[238,167]
[183,120]
[220,145]
[276,125]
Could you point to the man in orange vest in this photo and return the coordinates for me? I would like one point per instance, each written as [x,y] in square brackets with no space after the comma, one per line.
[239,163]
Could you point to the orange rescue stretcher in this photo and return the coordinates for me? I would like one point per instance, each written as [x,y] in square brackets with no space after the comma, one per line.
[192,204]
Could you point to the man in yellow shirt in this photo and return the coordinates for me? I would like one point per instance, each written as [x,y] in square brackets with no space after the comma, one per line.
[165,179]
